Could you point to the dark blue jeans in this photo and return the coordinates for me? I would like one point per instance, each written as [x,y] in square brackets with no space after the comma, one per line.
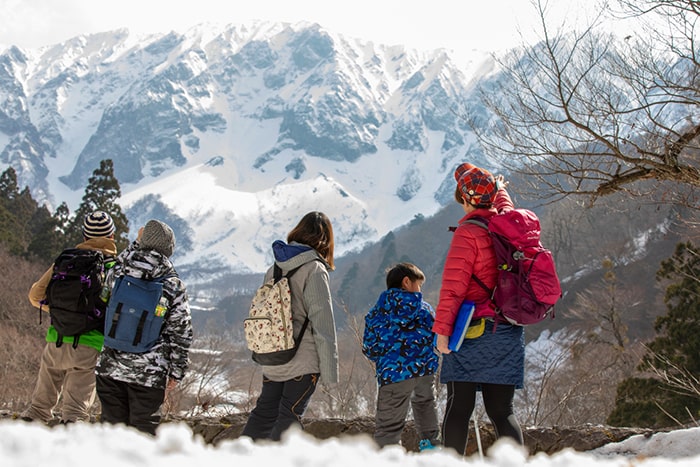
[279,406]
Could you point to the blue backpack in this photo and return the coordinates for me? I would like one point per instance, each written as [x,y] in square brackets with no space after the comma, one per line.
[135,314]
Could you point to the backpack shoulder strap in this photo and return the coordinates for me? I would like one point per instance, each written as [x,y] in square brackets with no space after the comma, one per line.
[278,275]
[478,220]
[483,286]
[484,223]
[297,340]
[277,272]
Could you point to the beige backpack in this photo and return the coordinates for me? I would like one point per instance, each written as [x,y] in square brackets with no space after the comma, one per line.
[268,328]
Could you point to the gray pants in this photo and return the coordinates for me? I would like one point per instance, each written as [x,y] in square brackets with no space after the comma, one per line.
[393,401]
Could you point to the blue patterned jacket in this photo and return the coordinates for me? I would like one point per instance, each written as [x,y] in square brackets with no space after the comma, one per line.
[398,337]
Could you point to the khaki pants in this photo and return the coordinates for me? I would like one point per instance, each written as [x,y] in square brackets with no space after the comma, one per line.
[68,372]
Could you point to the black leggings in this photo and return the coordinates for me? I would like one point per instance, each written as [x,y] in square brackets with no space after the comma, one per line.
[461,399]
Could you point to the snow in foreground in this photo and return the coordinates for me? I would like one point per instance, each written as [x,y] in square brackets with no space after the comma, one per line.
[30,444]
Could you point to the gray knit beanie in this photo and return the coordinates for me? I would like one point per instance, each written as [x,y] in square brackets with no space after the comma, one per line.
[158,236]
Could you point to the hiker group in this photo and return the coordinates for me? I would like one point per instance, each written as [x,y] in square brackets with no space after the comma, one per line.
[120,328]
[133,346]
[497,277]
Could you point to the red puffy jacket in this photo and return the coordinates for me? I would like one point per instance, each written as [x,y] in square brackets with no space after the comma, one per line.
[471,252]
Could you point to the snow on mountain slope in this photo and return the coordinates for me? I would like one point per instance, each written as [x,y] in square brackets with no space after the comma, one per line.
[240,226]
[239,131]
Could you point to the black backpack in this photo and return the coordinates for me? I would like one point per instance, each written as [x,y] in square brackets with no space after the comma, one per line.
[73,293]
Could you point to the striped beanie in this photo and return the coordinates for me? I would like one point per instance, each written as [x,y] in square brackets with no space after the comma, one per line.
[477,185]
[98,224]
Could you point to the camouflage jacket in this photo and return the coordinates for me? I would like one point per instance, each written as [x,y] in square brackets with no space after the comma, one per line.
[169,358]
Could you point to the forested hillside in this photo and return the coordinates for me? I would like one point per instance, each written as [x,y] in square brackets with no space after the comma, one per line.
[607,256]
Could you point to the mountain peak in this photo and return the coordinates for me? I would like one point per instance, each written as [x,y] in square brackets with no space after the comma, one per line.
[234,132]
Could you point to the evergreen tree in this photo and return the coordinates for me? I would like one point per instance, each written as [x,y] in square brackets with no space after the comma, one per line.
[346,289]
[62,218]
[8,229]
[101,194]
[8,185]
[8,192]
[389,258]
[390,255]
[16,211]
[23,207]
[47,240]
[671,394]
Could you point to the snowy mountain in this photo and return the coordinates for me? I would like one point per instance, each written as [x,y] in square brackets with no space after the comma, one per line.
[232,134]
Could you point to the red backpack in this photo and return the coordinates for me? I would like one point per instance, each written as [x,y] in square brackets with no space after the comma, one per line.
[528,286]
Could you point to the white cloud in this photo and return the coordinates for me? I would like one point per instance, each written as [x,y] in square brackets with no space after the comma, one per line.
[418,24]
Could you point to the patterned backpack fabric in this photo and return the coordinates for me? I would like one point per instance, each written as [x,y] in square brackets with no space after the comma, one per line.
[268,329]
[73,293]
[528,286]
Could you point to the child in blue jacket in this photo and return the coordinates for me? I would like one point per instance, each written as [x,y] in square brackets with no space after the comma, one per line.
[399,340]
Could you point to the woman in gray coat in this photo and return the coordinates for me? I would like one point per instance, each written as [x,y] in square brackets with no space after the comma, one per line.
[287,388]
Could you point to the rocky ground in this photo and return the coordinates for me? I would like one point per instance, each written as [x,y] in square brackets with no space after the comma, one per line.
[547,440]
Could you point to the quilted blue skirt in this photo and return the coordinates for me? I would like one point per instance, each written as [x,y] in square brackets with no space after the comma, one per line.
[494,357]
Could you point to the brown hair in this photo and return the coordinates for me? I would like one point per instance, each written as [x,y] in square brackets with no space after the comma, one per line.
[458,195]
[395,275]
[316,231]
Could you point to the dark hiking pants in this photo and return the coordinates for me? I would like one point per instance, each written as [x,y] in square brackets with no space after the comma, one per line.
[393,402]
[281,404]
[130,404]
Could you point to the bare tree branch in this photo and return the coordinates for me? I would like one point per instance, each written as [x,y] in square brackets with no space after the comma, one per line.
[585,113]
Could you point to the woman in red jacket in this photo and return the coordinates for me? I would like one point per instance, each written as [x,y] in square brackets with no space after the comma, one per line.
[493,362]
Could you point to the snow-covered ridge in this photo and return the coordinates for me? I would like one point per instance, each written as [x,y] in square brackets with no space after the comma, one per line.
[236,131]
